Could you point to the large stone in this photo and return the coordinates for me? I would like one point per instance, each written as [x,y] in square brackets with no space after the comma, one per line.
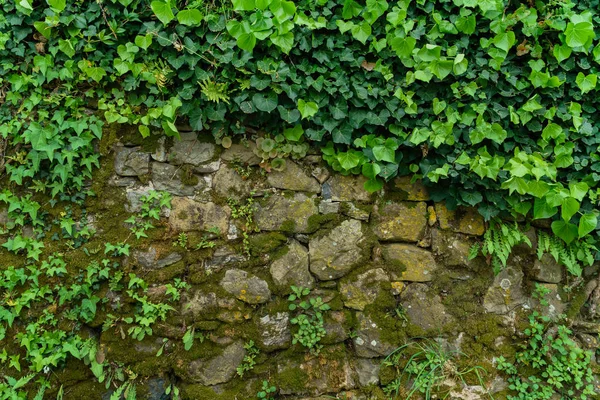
[424,308]
[189,215]
[202,305]
[462,220]
[229,184]
[362,291]
[151,259]
[189,150]
[347,188]
[403,221]
[409,263]
[293,178]
[129,161]
[281,209]
[246,287]
[368,342]
[367,370]
[223,256]
[547,269]
[170,178]
[292,268]
[453,249]
[334,255]
[506,292]
[219,369]
[241,153]
[412,191]
[274,331]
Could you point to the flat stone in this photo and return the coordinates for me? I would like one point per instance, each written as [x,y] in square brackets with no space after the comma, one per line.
[462,220]
[129,161]
[219,369]
[350,210]
[367,370]
[320,173]
[160,153]
[409,263]
[122,181]
[424,308]
[275,331]
[547,269]
[453,249]
[224,256]
[363,290]
[403,221]
[334,255]
[208,168]
[200,306]
[556,305]
[228,183]
[134,197]
[336,327]
[292,268]
[506,292]
[279,209]
[368,342]
[152,260]
[169,178]
[242,154]
[246,287]
[412,191]
[189,215]
[189,150]
[329,207]
[348,188]
[293,178]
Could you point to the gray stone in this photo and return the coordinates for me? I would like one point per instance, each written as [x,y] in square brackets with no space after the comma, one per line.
[320,173]
[160,153]
[368,342]
[352,211]
[169,178]
[279,209]
[506,292]
[424,308]
[122,181]
[293,178]
[134,197]
[275,331]
[292,268]
[555,306]
[348,188]
[403,221]
[3,216]
[200,306]
[242,154]
[334,255]
[367,370]
[219,369]
[189,215]
[453,249]
[129,161]
[208,168]
[228,183]
[152,260]
[589,342]
[409,263]
[363,290]
[335,324]
[547,269]
[246,287]
[224,256]
[152,389]
[328,207]
[189,150]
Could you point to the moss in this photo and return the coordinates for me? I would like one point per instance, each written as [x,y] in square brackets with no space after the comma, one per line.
[264,243]
[166,274]
[187,176]
[577,302]
[292,379]
[288,226]
[317,222]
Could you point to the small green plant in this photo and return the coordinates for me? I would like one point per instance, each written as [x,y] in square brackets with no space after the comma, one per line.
[189,336]
[249,360]
[152,204]
[267,392]
[498,241]
[550,362]
[245,212]
[425,367]
[174,390]
[309,320]
[182,241]
[205,243]
[574,256]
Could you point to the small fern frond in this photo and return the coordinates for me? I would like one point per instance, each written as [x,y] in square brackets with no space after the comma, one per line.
[214,91]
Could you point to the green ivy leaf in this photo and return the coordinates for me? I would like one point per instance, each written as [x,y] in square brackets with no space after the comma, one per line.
[578,35]
[57,5]
[586,82]
[246,41]
[294,134]
[192,17]
[361,32]
[587,223]
[565,230]
[569,207]
[66,47]
[265,102]
[373,185]
[307,108]
[349,159]
[163,11]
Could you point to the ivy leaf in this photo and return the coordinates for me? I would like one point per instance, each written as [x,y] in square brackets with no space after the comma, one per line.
[565,230]
[586,82]
[587,223]
[66,47]
[569,207]
[371,170]
[349,159]
[579,34]
[246,41]
[373,185]
[265,102]
[143,41]
[307,108]
[195,115]
[403,46]
[163,11]
[57,5]
[288,115]
[294,134]
[43,28]
[192,17]
[361,32]
[285,41]
[470,197]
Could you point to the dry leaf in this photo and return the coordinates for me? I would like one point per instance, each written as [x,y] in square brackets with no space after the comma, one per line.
[369,66]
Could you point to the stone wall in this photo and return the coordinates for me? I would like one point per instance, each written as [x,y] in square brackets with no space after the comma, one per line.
[393,266]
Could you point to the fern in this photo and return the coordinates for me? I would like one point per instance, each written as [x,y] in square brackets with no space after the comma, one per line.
[498,241]
[213,91]
[573,256]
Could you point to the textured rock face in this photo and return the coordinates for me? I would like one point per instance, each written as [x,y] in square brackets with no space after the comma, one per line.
[347,188]
[293,178]
[359,293]
[189,150]
[241,154]
[228,183]
[461,220]
[170,178]
[368,342]
[506,292]
[413,191]
[453,249]
[201,305]
[129,161]
[334,255]
[405,222]
[150,259]
[547,269]
[292,268]
[424,308]
[219,369]
[275,331]
[246,287]
[189,215]
[279,210]
[409,263]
